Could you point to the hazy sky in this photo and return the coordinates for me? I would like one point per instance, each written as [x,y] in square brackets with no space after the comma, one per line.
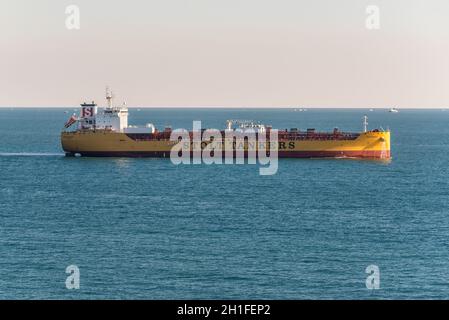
[315,53]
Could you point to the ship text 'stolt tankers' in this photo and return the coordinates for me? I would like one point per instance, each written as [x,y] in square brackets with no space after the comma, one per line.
[106,132]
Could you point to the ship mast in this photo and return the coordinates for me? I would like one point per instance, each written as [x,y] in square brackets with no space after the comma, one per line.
[109,97]
[365,124]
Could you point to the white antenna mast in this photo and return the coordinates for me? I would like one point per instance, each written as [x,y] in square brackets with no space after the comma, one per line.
[365,124]
[109,96]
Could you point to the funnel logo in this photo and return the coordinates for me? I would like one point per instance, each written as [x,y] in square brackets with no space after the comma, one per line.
[87,112]
[212,146]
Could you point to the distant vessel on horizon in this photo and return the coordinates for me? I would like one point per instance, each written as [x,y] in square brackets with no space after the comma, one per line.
[393,110]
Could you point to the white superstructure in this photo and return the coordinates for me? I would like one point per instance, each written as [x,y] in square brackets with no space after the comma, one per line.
[109,118]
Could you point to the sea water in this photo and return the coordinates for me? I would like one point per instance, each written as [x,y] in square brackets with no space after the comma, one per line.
[147,229]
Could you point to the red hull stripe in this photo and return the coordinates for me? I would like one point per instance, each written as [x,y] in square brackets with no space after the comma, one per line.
[282,154]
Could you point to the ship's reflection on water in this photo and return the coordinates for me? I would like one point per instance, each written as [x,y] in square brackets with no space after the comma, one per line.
[122,162]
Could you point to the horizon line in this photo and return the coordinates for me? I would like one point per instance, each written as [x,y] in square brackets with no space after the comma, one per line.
[227,107]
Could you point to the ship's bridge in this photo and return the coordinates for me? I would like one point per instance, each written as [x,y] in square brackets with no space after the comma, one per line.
[110,118]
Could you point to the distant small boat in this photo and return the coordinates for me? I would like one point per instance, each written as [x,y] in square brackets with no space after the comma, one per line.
[394,110]
[371,110]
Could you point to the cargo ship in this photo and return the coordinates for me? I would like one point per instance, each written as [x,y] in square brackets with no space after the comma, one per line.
[106,133]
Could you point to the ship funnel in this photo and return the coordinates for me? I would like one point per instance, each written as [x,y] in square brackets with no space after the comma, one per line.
[88,110]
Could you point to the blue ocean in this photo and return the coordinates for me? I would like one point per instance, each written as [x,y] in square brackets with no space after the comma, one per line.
[147,229]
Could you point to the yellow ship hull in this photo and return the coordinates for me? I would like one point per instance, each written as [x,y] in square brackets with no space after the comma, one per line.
[101,143]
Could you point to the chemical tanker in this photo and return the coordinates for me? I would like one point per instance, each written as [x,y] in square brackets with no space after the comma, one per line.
[105,133]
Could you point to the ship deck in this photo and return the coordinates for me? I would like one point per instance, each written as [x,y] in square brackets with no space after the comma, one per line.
[283,135]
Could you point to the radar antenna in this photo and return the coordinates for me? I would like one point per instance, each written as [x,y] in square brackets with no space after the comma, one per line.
[365,124]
